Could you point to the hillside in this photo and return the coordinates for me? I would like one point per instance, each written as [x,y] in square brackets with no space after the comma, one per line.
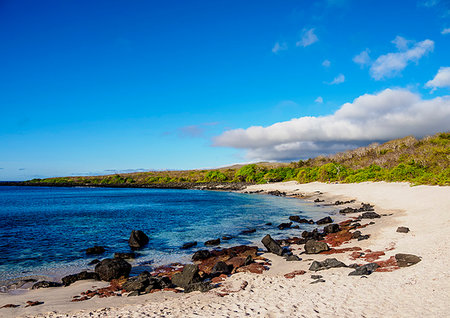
[424,161]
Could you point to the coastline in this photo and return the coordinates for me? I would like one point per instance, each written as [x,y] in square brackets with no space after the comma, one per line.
[221,186]
[424,209]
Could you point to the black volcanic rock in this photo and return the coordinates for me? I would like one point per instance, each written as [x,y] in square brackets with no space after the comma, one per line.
[138,239]
[95,250]
[109,269]
[324,220]
[70,279]
[271,245]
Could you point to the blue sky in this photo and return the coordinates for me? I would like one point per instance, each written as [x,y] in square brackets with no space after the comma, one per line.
[91,87]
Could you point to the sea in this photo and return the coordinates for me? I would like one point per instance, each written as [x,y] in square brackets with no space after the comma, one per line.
[44,231]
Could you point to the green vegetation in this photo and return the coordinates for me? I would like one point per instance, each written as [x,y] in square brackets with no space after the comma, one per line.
[424,161]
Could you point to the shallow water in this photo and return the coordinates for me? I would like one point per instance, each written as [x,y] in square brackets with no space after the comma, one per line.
[45,231]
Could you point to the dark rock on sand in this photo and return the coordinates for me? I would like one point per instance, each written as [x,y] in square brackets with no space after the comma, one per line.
[221,268]
[331,228]
[70,279]
[109,269]
[405,260]
[95,250]
[188,245]
[343,202]
[201,287]
[138,283]
[326,264]
[315,247]
[356,234]
[277,193]
[318,200]
[316,276]
[201,255]
[145,283]
[363,237]
[366,269]
[249,231]
[320,280]
[314,235]
[45,284]
[370,215]
[125,255]
[271,245]
[137,239]
[283,226]
[212,242]
[402,229]
[188,276]
[292,258]
[365,207]
[324,220]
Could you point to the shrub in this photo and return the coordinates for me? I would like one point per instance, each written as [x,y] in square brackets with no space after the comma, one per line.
[215,176]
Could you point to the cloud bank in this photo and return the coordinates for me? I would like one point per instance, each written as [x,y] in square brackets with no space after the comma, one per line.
[392,113]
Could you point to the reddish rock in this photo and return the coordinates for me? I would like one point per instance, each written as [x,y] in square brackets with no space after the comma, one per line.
[388,265]
[255,268]
[219,279]
[81,298]
[236,262]
[33,303]
[9,306]
[342,250]
[294,273]
[171,290]
[372,256]
[356,255]
[168,270]
[337,239]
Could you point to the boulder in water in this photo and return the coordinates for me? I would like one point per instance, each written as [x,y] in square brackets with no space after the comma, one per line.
[137,239]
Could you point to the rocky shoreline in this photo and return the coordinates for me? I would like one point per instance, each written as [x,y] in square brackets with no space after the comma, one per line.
[210,269]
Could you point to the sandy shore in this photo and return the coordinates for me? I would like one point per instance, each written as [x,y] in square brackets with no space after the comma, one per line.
[422,290]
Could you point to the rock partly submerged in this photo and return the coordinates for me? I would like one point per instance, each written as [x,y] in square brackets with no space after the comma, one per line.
[138,239]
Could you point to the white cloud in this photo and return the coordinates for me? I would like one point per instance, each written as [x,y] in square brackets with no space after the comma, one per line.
[326,63]
[392,113]
[445,31]
[401,43]
[279,47]
[308,38]
[429,3]
[338,79]
[319,100]
[442,79]
[362,58]
[392,64]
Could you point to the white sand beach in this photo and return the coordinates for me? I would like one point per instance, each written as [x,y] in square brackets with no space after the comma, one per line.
[421,290]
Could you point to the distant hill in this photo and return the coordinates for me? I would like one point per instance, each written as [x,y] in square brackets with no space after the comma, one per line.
[424,161]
